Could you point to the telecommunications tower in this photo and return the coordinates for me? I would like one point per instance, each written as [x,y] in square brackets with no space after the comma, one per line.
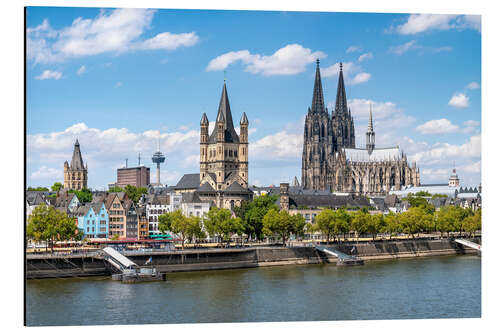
[158,158]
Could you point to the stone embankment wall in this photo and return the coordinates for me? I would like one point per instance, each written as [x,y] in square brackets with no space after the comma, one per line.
[193,260]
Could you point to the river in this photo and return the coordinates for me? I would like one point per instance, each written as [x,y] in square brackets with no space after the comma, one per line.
[435,287]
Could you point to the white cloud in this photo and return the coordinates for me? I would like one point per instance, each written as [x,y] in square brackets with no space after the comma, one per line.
[352,73]
[48,74]
[400,49]
[106,149]
[273,147]
[421,22]
[437,126]
[47,174]
[353,48]
[365,56]
[170,41]
[81,70]
[226,59]
[381,111]
[469,22]
[288,60]
[473,85]
[360,78]
[418,23]
[112,31]
[445,151]
[459,100]
[473,123]
[442,49]
[471,126]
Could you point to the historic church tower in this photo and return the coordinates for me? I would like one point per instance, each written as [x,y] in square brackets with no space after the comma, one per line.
[75,174]
[224,154]
[318,138]
[343,124]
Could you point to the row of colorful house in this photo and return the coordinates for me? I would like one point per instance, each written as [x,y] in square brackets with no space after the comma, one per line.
[114,215]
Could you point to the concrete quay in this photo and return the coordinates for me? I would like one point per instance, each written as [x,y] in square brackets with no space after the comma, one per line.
[45,266]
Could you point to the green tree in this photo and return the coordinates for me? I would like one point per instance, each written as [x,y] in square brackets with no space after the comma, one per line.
[83,196]
[360,222]
[134,193]
[278,223]
[115,189]
[49,224]
[41,189]
[417,201]
[177,223]
[392,224]
[415,220]
[299,223]
[195,231]
[255,212]
[220,223]
[375,224]
[56,187]
[325,222]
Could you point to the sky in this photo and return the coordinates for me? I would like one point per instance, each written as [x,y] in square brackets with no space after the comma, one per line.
[120,79]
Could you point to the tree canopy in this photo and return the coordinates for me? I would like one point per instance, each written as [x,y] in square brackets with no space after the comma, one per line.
[115,189]
[83,196]
[282,224]
[39,188]
[49,224]
[135,193]
[186,227]
[56,187]
[253,212]
[219,222]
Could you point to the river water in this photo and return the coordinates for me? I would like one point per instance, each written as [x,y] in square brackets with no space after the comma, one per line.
[436,287]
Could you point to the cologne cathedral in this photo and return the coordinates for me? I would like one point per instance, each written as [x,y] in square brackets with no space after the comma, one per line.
[330,159]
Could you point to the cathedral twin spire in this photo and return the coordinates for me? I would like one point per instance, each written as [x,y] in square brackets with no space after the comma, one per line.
[318,102]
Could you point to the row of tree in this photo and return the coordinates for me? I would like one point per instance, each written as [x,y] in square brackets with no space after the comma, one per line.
[333,224]
[412,222]
[49,225]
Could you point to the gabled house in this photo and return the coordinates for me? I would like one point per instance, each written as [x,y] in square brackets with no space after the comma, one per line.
[93,220]
[34,199]
[132,220]
[117,214]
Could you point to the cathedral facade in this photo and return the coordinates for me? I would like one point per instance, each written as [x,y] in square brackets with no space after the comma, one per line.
[330,159]
[75,174]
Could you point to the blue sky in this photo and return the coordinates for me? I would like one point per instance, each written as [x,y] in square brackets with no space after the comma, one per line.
[119,79]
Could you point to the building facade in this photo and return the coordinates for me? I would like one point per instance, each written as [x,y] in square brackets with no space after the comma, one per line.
[75,174]
[135,176]
[223,177]
[330,159]
[115,204]
[93,220]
